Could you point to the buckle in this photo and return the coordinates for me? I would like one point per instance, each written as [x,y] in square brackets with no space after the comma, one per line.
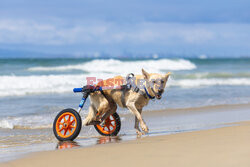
[136,89]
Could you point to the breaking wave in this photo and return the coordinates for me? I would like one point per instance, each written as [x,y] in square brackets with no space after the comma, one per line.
[123,67]
[27,122]
[27,85]
[11,85]
[32,121]
[210,82]
[208,75]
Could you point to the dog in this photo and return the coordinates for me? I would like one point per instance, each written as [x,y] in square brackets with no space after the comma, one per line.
[103,104]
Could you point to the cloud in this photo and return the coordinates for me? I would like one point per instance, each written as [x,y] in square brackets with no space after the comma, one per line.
[31,32]
[111,33]
[164,32]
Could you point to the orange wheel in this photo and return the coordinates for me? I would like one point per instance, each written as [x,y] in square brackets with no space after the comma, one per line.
[110,127]
[67,125]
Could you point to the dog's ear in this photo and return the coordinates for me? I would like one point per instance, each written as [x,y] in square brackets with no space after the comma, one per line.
[145,74]
[167,75]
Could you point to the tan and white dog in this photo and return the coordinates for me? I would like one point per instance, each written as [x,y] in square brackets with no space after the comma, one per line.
[151,85]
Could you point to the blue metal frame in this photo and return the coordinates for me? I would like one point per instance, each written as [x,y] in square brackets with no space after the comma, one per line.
[76,90]
[82,102]
[85,96]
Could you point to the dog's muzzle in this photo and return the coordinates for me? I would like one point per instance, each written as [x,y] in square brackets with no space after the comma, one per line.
[158,95]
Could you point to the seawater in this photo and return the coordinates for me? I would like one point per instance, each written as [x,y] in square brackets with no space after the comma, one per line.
[30,89]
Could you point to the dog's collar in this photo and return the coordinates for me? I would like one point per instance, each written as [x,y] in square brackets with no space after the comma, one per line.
[148,93]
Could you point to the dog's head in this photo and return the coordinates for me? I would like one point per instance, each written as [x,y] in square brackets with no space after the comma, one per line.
[155,83]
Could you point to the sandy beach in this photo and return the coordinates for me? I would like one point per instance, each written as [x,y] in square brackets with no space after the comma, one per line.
[227,146]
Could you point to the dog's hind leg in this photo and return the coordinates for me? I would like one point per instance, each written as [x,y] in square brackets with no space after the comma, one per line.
[90,119]
[96,114]
[99,106]
[113,108]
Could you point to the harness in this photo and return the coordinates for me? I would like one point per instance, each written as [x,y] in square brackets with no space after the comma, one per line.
[148,93]
[131,85]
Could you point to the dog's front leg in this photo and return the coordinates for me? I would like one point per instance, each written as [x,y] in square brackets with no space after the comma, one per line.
[138,131]
[133,109]
[137,125]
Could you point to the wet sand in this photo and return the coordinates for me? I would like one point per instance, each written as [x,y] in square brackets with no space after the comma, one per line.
[16,143]
[227,146]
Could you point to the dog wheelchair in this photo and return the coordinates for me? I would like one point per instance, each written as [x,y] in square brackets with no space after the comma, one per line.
[68,123]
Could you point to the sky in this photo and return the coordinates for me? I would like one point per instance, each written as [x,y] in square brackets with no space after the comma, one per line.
[76,27]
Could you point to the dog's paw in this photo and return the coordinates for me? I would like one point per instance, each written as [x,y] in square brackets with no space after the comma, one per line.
[145,128]
[139,133]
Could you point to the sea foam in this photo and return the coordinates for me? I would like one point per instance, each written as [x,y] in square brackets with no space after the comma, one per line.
[11,85]
[27,85]
[210,82]
[27,122]
[121,67]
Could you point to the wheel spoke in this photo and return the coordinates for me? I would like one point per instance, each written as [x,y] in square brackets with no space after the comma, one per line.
[72,122]
[71,126]
[65,131]
[108,128]
[69,117]
[61,129]
[64,119]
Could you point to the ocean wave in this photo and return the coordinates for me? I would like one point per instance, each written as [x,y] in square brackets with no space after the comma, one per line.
[207,75]
[27,122]
[29,85]
[32,121]
[40,84]
[123,67]
[25,85]
[210,82]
